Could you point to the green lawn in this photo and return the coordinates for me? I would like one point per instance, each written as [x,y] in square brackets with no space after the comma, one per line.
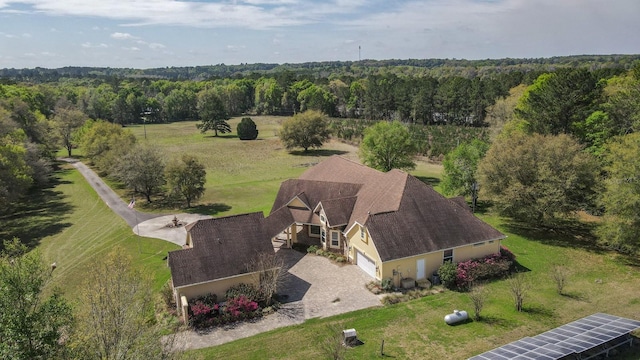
[73,227]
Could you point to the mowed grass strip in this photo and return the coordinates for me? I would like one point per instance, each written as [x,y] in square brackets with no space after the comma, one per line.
[93,231]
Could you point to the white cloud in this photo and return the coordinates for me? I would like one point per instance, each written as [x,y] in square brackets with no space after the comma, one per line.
[235,48]
[132,48]
[90,45]
[122,36]
[26,35]
[156,46]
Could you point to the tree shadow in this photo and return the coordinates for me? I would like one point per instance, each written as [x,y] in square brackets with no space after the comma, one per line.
[41,213]
[496,321]
[429,180]
[575,296]
[317,152]
[538,310]
[222,136]
[628,260]
[208,209]
[571,234]
[482,206]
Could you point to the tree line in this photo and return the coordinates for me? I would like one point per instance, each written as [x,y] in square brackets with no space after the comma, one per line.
[566,143]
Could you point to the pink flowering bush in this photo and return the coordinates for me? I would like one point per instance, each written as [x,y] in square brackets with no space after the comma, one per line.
[489,267]
[205,312]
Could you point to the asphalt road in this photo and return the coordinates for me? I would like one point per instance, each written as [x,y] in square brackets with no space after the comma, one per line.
[131,216]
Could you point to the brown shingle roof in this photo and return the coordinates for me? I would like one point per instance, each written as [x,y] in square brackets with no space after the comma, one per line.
[338,211]
[425,222]
[404,216]
[339,169]
[312,192]
[222,247]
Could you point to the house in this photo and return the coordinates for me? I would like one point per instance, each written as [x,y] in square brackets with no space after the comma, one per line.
[217,256]
[391,225]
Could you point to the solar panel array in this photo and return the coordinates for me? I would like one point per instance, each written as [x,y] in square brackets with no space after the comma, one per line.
[573,338]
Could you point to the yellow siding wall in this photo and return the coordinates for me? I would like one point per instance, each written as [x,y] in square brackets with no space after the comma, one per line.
[471,252]
[367,248]
[433,261]
[408,266]
[297,203]
[215,287]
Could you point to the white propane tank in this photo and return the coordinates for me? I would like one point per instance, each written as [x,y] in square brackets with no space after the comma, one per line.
[456,316]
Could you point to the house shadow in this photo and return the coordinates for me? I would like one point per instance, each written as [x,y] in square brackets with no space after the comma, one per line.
[293,288]
[40,214]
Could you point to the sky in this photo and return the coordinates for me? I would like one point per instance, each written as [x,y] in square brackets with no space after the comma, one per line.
[160,33]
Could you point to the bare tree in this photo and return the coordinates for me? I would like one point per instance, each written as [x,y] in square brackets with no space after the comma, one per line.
[559,274]
[269,273]
[519,286]
[331,342]
[478,296]
[116,318]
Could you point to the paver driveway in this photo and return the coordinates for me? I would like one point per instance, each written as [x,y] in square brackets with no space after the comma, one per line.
[315,287]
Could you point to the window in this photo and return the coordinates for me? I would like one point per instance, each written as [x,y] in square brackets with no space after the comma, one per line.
[335,239]
[448,256]
[314,230]
[322,219]
[323,235]
[363,235]
[490,241]
[478,244]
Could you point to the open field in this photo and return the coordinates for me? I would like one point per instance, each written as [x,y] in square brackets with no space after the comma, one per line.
[244,176]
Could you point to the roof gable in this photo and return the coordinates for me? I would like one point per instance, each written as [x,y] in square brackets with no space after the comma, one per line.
[222,247]
[312,192]
[425,222]
[338,211]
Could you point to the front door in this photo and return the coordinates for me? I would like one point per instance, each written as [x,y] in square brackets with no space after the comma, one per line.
[420,269]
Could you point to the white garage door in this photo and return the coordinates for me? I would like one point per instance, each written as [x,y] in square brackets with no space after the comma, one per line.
[366,264]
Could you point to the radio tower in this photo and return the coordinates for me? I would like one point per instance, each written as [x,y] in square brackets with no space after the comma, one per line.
[359,53]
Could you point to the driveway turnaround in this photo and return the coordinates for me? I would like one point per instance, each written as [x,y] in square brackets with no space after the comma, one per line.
[314,287]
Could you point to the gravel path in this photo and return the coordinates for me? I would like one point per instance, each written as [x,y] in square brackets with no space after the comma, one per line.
[131,216]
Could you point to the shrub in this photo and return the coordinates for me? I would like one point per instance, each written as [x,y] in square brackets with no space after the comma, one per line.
[341,259]
[507,254]
[448,273]
[463,274]
[247,129]
[247,290]
[241,307]
[312,249]
[167,295]
[199,313]
[387,284]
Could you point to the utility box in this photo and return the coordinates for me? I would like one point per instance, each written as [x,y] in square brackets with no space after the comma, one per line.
[349,336]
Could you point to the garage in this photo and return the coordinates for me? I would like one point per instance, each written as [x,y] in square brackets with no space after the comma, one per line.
[366,264]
